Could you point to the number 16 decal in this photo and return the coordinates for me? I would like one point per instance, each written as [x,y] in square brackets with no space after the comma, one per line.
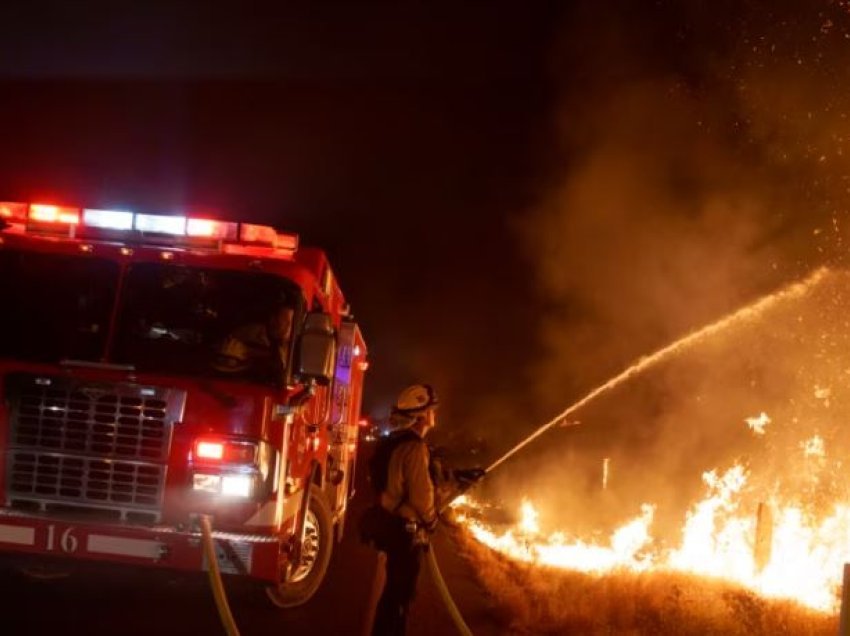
[67,541]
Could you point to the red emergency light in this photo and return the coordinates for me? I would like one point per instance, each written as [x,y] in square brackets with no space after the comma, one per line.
[13,212]
[206,228]
[54,214]
[216,450]
[250,233]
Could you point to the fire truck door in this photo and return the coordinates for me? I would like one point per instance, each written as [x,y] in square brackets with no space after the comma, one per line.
[340,453]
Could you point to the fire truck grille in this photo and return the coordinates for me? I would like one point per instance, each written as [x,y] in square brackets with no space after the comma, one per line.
[76,445]
[81,478]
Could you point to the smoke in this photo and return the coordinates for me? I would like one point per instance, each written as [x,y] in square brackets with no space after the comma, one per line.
[702,165]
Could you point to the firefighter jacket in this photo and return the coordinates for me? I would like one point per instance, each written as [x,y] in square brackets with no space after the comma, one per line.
[410,492]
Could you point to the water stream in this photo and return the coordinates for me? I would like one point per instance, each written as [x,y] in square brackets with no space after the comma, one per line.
[750,312]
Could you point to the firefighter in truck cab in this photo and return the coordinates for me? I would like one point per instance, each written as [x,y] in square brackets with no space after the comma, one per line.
[156,370]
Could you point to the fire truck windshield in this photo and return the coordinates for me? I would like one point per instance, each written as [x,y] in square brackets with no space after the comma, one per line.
[205,322]
[171,319]
[54,306]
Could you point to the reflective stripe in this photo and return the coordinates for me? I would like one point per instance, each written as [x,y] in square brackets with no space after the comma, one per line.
[17,534]
[121,546]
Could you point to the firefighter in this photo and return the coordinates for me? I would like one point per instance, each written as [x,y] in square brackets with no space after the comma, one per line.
[407,493]
[257,346]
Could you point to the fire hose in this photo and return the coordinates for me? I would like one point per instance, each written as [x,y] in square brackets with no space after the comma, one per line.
[443,589]
[439,582]
[216,583]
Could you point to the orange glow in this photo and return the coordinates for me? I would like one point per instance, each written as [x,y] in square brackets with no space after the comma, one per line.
[775,520]
[719,538]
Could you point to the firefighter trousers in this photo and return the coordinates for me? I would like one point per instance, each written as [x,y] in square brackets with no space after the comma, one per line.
[404,561]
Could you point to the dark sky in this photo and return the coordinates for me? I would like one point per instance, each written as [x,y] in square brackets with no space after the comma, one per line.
[518,198]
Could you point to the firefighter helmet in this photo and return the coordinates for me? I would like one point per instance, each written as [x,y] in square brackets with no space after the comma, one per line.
[416,399]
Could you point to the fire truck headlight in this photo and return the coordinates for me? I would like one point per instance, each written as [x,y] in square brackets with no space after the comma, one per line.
[227,485]
[237,485]
[206,483]
[233,467]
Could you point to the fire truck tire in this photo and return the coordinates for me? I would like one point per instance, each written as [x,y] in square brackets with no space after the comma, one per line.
[318,545]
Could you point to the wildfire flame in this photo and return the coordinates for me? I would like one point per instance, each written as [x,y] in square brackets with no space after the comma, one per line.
[778,524]
[785,553]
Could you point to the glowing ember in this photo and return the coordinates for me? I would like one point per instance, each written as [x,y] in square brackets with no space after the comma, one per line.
[823,393]
[758,423]
[814,447]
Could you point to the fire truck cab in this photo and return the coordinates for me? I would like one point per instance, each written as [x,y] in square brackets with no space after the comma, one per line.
[156,368]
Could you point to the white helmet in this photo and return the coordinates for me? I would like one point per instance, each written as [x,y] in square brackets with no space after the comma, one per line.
[416,399]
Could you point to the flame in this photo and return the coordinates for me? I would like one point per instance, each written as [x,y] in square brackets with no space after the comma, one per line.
[780,550]
[528,524]
[777,523]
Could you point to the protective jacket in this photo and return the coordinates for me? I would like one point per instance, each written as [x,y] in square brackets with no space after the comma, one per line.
[409,491]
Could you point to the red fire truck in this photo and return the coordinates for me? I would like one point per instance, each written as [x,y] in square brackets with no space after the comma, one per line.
[156,368]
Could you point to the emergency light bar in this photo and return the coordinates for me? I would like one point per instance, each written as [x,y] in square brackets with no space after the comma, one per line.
[232,238]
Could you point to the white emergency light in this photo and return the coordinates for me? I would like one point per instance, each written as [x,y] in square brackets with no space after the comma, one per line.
[159,224]
[108,219]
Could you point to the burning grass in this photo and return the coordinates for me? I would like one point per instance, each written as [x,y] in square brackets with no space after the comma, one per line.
[727,510]
[533,599]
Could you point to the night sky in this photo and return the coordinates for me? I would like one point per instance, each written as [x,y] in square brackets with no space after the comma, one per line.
[517,199]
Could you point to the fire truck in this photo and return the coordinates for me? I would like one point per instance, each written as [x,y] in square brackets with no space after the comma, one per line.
[156,370]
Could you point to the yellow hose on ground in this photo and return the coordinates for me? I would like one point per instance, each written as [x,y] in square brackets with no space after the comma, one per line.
[215,579]
[454,612]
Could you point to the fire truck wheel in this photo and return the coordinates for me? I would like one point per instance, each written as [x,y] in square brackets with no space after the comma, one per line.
[316,554]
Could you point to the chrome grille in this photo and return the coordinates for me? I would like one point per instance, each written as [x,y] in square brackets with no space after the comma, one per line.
[89,445]
[82,478]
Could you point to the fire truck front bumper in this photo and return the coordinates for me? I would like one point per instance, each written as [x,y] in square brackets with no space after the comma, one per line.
[169,548]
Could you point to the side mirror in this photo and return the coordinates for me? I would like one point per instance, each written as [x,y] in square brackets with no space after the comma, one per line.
[316,350]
